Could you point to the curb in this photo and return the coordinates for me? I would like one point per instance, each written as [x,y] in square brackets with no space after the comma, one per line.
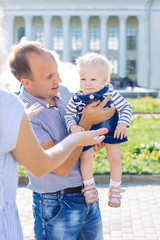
[105,178]
[22,181]
[129,178]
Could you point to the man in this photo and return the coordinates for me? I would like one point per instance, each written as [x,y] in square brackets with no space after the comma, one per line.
[59,208]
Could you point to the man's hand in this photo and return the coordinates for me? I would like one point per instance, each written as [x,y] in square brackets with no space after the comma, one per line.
[98,146]
[96,113]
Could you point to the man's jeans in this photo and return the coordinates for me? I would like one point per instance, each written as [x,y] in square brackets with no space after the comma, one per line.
[66,217]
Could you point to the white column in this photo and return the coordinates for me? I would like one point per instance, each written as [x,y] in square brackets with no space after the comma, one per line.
[48,32]
[122,46]
[142,53]
[66,39]
[28,27]
[85,43]
[9,28]
[103,20]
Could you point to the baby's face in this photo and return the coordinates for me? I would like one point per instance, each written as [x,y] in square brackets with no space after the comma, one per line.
[91,82]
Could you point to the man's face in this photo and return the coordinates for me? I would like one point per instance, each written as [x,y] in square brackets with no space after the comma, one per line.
[45,83]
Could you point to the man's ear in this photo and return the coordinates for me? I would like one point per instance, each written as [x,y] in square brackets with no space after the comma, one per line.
[25,82]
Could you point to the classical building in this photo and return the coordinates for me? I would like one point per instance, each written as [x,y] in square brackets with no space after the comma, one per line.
[126,31]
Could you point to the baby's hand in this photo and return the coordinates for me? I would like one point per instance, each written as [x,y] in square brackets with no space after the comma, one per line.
[120,131]
[76,129]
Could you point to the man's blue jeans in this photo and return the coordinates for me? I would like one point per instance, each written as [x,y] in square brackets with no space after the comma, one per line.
[66,217]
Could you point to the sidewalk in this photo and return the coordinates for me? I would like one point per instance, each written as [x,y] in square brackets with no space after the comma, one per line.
[137,219]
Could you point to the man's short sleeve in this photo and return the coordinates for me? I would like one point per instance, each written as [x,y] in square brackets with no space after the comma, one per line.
[41,133]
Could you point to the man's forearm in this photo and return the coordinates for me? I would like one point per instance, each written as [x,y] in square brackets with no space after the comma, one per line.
[66,167]
[84,122]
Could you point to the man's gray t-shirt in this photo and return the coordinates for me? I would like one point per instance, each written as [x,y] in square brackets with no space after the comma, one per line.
[50,123]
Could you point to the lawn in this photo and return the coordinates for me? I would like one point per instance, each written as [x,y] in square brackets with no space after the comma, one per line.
[141,154]
[145,105]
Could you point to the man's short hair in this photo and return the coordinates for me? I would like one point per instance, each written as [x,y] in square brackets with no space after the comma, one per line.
[18,61]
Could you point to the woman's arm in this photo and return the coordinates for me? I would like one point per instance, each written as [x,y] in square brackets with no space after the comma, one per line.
[29,153]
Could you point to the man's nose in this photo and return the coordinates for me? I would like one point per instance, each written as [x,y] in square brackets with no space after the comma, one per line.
[57,79]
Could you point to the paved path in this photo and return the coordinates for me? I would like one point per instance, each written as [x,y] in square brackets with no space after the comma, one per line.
[137,219]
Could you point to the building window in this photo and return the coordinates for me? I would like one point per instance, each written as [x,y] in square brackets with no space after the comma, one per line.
[58,39]
[131,67]
[131,38]
[113,38]
[39,34]
[114,64]
[20,33]
[95,39]
[76,38]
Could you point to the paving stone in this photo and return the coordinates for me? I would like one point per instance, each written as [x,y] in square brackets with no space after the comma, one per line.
[138,218]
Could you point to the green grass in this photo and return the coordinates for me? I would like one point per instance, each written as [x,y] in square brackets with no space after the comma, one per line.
[143,131]
[145,105]
[141,154]
[22,171]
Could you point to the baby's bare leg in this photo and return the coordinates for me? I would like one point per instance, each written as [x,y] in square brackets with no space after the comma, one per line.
[114,158]
[86,164]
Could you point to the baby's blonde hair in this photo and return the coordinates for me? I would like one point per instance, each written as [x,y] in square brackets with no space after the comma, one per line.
[92,61]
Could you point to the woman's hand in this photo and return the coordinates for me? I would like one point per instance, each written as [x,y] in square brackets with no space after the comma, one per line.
[33,109]
[90,137]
